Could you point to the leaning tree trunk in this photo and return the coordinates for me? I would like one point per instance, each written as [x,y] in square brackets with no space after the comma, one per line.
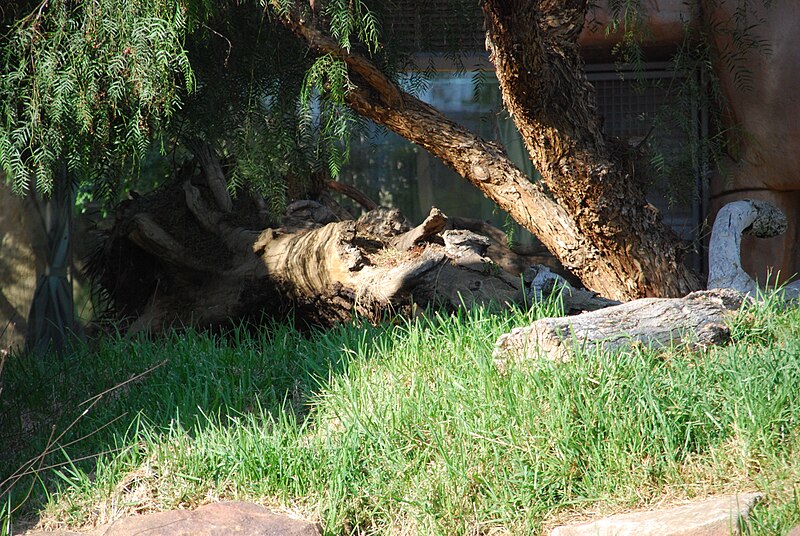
[533,45]
[599,225]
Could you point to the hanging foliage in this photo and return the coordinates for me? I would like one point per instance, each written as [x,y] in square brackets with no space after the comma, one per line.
[90,82]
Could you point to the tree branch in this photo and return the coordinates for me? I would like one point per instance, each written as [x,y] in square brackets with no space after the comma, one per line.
[482,163]
[294,20]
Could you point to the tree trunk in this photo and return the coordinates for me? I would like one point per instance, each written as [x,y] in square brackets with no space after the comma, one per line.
[597,223]
[533,45]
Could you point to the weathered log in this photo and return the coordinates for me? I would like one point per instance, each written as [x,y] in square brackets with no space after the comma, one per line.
[748,216]
[431,226]
[193,264]
[697,321]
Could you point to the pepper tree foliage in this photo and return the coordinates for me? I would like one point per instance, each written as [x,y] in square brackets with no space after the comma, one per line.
[88,83]
[94,83]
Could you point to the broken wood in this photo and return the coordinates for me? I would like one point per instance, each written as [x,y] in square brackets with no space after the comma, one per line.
[431,226]
[697,321]
[174,257]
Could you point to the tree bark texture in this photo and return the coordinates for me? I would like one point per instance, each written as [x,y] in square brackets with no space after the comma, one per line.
[697,321]
[597,222]
[176,257]
[533,45]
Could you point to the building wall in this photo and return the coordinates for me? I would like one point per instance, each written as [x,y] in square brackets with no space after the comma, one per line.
[763,92]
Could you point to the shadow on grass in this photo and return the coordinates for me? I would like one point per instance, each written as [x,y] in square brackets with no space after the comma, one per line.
[99,402]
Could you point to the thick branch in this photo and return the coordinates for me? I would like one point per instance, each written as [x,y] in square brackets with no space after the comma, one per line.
[607,264]
[353,193]
[724,252]
[212,221]
[152,238]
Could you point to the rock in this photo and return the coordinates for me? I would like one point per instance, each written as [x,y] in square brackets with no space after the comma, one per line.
[718,516]
[795,531]
[217,519]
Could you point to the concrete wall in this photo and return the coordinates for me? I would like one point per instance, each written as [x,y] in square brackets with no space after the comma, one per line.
[767,115]
[664,20]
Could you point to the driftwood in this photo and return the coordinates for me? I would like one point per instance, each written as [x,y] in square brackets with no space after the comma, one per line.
[698,320]
[753,217]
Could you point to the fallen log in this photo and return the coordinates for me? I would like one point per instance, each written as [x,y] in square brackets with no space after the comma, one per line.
[177,256]
[697,321]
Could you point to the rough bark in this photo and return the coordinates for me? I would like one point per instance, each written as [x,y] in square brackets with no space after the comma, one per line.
[696,321]
[533,46]
[600,229]
[174,258]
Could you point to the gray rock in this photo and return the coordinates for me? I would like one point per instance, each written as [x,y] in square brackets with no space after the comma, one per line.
[217,519]
[718,516]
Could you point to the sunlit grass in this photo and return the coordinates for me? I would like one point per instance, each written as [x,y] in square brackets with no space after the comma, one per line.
[408,428]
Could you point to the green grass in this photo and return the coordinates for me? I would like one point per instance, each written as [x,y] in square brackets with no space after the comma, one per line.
[406,428]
